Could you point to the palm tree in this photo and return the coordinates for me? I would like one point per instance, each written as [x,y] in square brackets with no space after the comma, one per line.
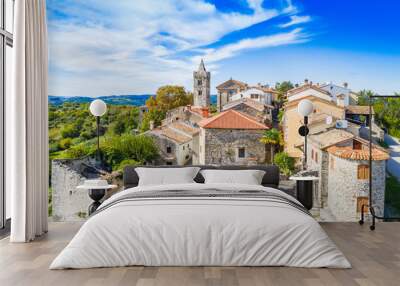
[272,137]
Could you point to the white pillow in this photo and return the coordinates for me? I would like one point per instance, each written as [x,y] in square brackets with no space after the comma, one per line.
[166,176]
[248,177]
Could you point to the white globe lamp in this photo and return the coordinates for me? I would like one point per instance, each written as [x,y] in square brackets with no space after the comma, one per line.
[98,108]
[305,107]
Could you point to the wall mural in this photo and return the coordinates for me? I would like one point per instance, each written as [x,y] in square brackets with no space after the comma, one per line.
[198,82]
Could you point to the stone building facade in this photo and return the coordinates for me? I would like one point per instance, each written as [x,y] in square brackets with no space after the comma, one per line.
[347,191]
[231,138]
[201,86]
[341,159]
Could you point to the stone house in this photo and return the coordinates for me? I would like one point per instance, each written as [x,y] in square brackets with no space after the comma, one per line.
[175,142]
[256,109]
[226,90]
[230,138]
[257,93]
[341,159]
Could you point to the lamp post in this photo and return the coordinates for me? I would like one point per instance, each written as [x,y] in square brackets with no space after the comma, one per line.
[305,108]
[98,108]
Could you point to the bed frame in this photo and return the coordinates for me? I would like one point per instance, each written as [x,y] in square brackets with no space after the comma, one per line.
[270,179]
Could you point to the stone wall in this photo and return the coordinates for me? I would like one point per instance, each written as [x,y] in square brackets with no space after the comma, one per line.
[163,143]
[344,187]
[222,146]
[70,203]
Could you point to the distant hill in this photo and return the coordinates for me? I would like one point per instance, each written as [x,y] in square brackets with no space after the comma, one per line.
[134,99]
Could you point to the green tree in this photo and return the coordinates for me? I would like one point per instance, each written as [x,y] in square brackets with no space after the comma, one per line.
[272,137]
[139,148]
[282,88]
[363,97]
[285,163]
[70,131]
[167,97]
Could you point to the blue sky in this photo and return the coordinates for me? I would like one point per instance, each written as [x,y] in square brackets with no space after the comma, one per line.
[100,47]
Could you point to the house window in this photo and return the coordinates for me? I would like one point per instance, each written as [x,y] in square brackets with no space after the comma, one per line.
[187,157]
[183,147]
[362,201]
[363,172]
[254,96]
[316,157]
[168,163]
[312,154]
[241,152]
[357,145]
[169,149]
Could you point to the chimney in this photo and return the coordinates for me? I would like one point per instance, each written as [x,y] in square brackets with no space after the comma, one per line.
[345,85]
[296,85]
[205,112]
[151,127]
[306,81]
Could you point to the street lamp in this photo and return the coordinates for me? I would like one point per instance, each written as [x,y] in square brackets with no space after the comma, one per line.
[98,108]
[305,108]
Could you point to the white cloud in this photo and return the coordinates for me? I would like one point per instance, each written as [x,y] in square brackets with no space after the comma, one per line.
[295,20]
[102,47]
[228,51]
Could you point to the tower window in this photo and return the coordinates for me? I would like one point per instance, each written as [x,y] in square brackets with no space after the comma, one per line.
[199,82]
[200,92]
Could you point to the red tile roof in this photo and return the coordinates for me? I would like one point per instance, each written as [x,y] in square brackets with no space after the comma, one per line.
[232,119]
[305,87]
[358,109]
[347,152]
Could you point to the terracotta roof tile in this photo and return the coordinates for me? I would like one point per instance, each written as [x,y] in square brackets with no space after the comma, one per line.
[347,152]
[249,102]
[231,83]
[183,127]
[312,98]
[331,137]
[232,119]
[305,87]
[359,109]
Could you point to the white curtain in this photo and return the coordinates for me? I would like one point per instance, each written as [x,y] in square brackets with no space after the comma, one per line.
[26,120]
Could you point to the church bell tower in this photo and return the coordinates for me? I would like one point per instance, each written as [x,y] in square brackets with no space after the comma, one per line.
[201,86]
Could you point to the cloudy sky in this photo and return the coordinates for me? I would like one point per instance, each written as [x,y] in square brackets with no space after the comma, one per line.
[102,47]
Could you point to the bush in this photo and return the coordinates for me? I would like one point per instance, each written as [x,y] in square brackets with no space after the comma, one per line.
[128,147]
[70,131]
[65,143]
[285,163]
[78,151]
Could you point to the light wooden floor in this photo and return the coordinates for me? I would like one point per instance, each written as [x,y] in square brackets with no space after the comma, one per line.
[375,257]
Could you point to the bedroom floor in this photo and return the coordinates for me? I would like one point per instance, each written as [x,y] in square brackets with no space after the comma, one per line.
[375,257]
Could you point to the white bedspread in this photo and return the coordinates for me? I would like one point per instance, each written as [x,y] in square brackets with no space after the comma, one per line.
[200,231]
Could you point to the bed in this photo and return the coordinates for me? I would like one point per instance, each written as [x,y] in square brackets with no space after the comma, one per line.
[201,224]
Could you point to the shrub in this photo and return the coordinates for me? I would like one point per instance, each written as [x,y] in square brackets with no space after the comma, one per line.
[128,147]
[65,143]
[70,131]
[78,151]
[285,163]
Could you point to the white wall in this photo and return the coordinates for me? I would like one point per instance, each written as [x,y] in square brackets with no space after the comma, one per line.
[309,92]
